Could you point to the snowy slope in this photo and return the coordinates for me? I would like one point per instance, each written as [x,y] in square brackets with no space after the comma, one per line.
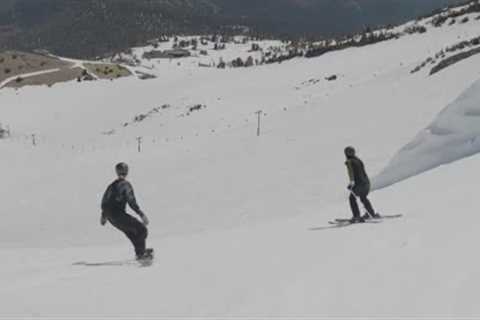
[453,135]
[238,220]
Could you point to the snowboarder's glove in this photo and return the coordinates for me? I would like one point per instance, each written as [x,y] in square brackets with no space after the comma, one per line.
[103,220]
[351,185]
[145,220]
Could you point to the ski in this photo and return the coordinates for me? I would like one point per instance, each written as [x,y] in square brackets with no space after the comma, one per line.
[340,221]
[392,216]
[349,221]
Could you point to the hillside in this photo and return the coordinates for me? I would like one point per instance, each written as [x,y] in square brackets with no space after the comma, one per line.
[325,18]
[239,222]
[91,28]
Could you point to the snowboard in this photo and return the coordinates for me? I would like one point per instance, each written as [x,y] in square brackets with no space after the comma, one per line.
[145,261]
[117,263]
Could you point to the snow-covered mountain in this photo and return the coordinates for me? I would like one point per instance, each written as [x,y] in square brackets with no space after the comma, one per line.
[240,222]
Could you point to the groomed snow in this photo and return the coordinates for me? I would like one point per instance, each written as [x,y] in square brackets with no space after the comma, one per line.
[238,221]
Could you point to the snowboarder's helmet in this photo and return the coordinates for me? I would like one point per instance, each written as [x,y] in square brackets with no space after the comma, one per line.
[349,152]
[121,169]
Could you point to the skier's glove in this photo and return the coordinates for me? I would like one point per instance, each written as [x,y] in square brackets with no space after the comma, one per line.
[145,220]
[103,220]
[351,185]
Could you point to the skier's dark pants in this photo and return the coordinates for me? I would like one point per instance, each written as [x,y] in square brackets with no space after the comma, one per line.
[133,229]
[362,192]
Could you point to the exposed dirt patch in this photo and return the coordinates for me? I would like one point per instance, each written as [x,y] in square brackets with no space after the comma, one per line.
[48,79]
[453,60]
[22,69]
[13,63]
[107,71]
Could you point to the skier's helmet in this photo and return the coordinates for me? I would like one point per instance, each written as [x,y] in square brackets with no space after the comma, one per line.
[349,152]
[121,169]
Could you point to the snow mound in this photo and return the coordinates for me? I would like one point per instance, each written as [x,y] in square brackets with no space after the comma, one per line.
[453,135]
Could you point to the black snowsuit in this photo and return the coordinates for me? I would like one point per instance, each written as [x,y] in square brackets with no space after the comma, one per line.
[114,203]
[361,189]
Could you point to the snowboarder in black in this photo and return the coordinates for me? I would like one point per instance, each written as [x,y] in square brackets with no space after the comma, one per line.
[359,186]
[115,199]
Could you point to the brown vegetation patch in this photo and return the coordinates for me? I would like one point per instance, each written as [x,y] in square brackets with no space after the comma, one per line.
[107,71]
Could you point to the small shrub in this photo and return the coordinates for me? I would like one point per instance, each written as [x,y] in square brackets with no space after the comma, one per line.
[2,60]
[195,108]
[415,29]
[14,56]
[238,62]
[439,21]
[7,70]
[19,79]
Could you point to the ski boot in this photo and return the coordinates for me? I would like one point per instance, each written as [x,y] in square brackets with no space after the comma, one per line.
[376,216]
[357,220]
[148,254]
[367,216]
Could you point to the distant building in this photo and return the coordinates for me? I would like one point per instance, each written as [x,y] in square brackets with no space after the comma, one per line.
[153,42]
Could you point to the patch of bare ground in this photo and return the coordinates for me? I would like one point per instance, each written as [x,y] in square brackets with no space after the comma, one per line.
[13,63]
[48,79]
[107,71]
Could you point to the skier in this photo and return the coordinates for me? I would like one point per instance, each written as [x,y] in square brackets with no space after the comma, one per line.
[359,186]
[118,194]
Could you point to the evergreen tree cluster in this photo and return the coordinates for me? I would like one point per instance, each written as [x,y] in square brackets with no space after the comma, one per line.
[91,28]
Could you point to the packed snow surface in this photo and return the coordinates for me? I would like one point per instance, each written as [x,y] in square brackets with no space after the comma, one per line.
[239,223]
